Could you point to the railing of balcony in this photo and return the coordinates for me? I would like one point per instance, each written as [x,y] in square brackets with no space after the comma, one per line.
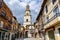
[51,19]
[8,28]
[3,16]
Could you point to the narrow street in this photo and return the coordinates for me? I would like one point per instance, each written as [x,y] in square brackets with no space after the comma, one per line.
[29,19]
[29,39]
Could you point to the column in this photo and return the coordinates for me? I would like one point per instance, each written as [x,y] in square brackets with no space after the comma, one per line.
[10,36]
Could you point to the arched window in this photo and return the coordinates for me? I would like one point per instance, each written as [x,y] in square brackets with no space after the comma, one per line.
[26,20]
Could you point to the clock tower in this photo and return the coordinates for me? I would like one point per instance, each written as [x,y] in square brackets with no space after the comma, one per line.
[27,16]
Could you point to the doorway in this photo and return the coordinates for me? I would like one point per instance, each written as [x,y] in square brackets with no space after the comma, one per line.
[51,35]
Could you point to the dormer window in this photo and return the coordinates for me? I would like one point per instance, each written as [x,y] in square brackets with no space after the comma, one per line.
[3,13]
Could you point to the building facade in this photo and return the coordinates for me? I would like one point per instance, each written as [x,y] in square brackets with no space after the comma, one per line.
[37,29]
[50,15]
[14,28]
[6,22]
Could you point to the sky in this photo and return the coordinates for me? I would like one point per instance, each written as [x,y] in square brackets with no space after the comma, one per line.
[18,8]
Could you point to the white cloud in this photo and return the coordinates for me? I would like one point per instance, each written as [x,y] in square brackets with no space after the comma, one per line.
[18,7]
[22,4]
[12,2]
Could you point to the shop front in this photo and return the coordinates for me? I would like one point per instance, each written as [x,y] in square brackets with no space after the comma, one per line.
[50,33]
[3,35]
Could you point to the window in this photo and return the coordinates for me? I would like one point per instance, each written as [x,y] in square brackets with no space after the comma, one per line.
[59,30]
[1,24]
[3,13]
[47,19]
[51,35]
[26,20]
[56,10]
[46,9]
[53,1]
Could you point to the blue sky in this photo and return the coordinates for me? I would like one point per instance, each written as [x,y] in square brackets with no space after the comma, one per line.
[18,8]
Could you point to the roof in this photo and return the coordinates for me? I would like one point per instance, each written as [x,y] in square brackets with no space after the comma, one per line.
[42,7]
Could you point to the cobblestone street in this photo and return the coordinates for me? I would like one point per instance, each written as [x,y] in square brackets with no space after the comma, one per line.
[29,39]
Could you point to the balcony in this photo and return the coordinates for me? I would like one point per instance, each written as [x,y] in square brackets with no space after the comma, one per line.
[7,28]
[3,17]
[54,20]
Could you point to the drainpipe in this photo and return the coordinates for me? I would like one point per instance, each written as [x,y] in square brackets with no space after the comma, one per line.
[43,28]
[10,35]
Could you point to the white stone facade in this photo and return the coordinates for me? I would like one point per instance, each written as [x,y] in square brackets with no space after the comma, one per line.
[27,17]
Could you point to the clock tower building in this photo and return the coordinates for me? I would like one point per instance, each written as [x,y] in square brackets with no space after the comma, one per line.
[27,16]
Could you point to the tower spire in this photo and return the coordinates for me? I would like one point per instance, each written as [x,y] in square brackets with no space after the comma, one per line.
[27,7]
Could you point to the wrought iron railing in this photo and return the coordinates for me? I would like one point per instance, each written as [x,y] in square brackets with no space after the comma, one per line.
[51,19]
[8,28]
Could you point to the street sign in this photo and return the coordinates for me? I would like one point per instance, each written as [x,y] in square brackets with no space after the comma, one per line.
[0,3]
